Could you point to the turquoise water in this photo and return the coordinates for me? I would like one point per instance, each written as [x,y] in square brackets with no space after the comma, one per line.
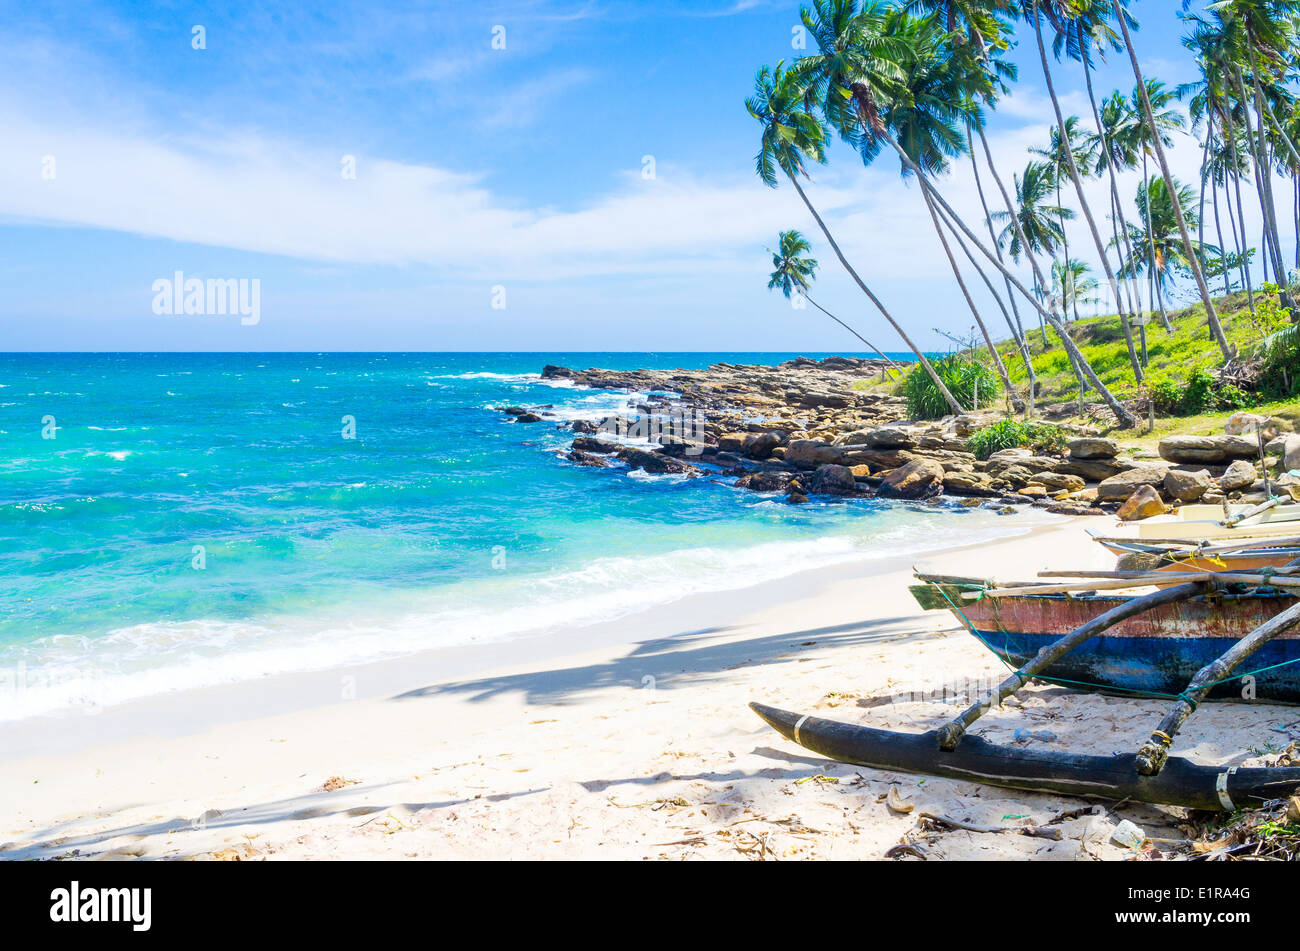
[200,518]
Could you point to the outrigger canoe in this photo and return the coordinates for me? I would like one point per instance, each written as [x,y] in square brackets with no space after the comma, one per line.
[1189,642]
[1153,653]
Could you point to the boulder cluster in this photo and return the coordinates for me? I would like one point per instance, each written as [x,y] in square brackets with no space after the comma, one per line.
[811,427]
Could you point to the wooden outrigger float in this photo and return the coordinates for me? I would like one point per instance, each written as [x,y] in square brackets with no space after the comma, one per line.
[1186,641]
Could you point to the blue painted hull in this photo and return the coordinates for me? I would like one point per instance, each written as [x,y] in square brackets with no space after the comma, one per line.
[1153,653]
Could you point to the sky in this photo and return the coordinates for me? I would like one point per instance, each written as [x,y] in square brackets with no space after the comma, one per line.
[524,176]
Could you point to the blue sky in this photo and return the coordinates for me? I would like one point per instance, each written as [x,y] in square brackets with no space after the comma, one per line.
[477,169]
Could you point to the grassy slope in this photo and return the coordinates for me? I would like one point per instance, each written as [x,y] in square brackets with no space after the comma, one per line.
[1174,356]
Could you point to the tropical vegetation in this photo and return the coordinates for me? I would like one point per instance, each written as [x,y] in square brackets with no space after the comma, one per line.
[917,82]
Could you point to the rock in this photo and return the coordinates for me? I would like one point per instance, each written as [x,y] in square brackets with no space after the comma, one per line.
[591,444]
[733,442]
[764,481]
[1022,458]
[586,459]
[884,437]
[1094,470]
[1290,452]
[833,480]
[1121,486]
[654,462]
[861,471]
[918,479]
[1143,503]
[1016,475]
[1186,486]
[968,483]
[584,426]
[1032,491]
[1240,475]
[1243,424]
[1057,481]
[1092,447]
[811,453]
[761,445]
[528,418]
[1207,448]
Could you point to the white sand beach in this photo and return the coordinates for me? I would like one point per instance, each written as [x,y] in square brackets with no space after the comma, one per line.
[636,743]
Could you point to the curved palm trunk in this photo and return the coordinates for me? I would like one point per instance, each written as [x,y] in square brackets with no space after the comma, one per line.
[952,262]
[1216,329]
[1266,177]
[1017,329]
[1125,418]
[871,347]
[1218,230]
[1078,190]
[921,358]
[1239,222]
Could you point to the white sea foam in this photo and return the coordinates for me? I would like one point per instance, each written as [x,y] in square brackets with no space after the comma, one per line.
[70,673]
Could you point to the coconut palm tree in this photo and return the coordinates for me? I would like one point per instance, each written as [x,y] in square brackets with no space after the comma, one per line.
[793,271]
[1212,318]
[1061,15]
[855,79]
[1055,157]
[793,136]
[1072,285]
[1038,226]
[1161,253]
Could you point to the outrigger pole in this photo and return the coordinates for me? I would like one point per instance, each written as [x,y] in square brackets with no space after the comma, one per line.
[1152,756]
[951,733]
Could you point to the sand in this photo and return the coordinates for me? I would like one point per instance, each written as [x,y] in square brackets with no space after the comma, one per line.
[633,743]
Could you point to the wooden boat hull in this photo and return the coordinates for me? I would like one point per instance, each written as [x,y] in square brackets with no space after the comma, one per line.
[1156,652]
[1180,783]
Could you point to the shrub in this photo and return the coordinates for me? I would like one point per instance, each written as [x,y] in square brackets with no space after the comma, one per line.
[1279,372]
[1166,394]
[1198,395]
[964,378]
[1011,434]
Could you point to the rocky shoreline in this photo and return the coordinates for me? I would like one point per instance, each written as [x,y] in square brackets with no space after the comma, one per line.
[812,427]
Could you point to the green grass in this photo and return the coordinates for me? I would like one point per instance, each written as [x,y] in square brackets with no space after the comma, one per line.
[1169,355]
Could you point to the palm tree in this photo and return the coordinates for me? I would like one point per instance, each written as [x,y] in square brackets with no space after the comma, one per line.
[791,137]
[855,79]
[1056,159]
[1216,329]
[1160,250]
[1143,138]
[1071,284]
[1060,13]
[793,273]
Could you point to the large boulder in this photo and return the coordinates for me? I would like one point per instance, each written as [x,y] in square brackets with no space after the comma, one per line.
[592,444]
[1240,475]
[1143,503]
[760,446]
[1057,481]
[1094,470]
[833,480]
[1207,448]
[886,437]
[1119,487]
[1291,452]
[1092,447]
[1184,485]
[969,484]
[654,462]
[811,453]
[764,481]
[918,479]
[1243,424]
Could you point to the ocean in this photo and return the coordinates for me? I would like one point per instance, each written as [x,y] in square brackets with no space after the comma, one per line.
[170,521]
